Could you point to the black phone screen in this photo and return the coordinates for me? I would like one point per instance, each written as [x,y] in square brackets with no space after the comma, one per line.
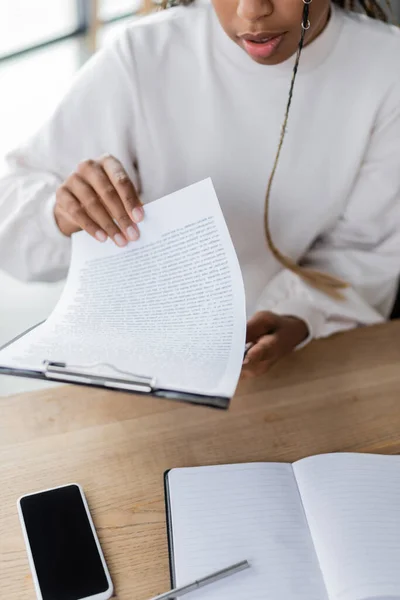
[65,554]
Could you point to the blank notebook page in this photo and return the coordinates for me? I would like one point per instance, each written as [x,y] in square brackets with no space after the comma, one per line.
[352,502]
[224,514]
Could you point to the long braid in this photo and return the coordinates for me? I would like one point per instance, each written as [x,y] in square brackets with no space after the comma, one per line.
[372,8]
[324,282]
[389,6]
[329,284]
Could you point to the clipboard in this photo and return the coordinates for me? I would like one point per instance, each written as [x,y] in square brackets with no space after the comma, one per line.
[147,386]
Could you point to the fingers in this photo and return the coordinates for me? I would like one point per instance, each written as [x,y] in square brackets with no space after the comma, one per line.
[262,350]
[258,369]
[124,187]
[91,204]
[264,346]
[260,324]
[71,210]
[108,210]
[271,337]
[261,356]
[100,198]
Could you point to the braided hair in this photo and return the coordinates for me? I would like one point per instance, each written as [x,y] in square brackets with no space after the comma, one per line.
[324,282]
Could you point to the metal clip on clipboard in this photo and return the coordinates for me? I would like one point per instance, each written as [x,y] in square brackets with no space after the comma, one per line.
[139,384]
[62,372]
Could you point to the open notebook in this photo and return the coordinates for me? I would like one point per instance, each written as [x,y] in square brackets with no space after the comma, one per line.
[163,316]
[325,528]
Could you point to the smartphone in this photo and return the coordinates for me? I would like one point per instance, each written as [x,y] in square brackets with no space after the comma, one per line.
[63,549]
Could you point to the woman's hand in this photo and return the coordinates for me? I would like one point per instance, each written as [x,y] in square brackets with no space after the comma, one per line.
[272,337]
[101,199]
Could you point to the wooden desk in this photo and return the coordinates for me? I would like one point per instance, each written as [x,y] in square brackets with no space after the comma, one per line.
[337,394]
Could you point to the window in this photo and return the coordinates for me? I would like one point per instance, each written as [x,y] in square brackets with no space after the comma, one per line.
[111,9]
[27,23]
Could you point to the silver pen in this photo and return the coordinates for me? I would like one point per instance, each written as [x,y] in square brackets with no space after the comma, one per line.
[199,583]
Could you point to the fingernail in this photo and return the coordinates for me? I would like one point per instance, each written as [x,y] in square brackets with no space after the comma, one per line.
[101,236]
[246,361]
[138,214]
[119,240]
[133,235]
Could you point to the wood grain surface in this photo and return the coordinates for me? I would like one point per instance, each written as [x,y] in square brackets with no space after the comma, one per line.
[339,394]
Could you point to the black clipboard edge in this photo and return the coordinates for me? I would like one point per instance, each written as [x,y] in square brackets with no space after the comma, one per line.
[219,402]
[170,537]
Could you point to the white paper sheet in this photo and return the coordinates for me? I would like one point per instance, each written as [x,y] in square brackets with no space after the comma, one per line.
[327,527]
[352,504]
[170,306]
[225,514]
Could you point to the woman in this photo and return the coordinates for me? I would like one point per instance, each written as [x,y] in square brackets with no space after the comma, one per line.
[201,91]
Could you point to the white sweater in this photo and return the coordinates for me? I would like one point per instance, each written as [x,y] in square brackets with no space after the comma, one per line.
[177,101]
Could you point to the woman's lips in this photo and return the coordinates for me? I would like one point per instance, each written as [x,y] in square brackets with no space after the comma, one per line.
[261,47]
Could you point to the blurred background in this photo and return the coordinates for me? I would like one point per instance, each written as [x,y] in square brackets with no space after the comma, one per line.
[42,44]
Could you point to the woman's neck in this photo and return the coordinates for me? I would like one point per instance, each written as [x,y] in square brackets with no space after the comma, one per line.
[320,26]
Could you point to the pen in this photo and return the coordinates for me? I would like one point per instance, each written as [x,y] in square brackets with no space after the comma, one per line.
[199,583]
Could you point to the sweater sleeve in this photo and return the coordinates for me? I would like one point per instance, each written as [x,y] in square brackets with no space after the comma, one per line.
[94,118]
[362,248]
